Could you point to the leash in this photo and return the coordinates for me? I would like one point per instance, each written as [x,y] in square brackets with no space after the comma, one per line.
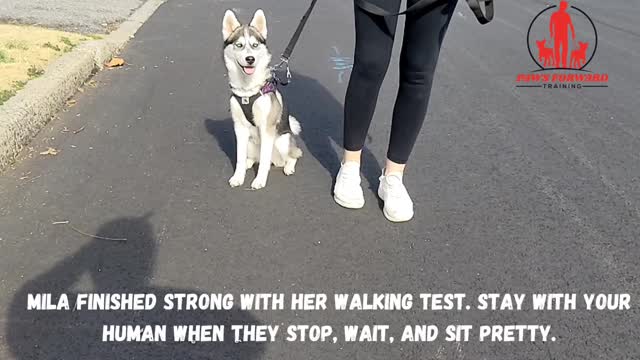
[286,55]
[484,16]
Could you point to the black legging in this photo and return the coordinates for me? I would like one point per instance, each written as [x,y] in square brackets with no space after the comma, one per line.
[423,35]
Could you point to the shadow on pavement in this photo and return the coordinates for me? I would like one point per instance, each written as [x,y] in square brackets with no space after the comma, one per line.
[114,267]
[321,117]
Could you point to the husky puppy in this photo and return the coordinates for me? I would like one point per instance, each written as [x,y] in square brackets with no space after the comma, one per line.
[263,128]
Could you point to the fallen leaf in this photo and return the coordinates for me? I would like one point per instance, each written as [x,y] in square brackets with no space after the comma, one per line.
[115,62]
[50,151]
[78,130]
[71,102]
[65,130]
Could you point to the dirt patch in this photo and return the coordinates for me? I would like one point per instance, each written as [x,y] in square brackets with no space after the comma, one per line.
[25,51]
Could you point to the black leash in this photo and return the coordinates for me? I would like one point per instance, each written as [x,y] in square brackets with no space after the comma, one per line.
[483,15]
[286,55]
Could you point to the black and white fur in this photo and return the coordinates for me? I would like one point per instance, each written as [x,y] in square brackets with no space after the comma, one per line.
[247,60]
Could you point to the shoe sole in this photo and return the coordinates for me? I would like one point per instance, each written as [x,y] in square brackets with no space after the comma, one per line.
[348,205]
[394,219]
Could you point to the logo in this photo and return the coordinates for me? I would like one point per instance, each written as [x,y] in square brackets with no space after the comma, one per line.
[562,41]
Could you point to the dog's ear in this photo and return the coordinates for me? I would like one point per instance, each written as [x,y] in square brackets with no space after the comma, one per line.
[259,22]
[229,24]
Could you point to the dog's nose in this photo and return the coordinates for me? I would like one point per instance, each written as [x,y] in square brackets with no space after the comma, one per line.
[250,60]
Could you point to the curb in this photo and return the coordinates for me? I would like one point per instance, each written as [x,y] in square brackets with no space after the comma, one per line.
[25,114]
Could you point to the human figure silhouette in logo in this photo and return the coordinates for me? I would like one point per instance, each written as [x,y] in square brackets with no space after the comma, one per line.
[558,26]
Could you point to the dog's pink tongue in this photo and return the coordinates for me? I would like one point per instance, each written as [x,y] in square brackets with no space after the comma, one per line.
[249,70]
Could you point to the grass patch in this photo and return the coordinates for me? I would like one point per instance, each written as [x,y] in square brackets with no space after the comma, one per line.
[65,40]
[7,94]
[18,85]
[4,57]
[49,45]
[34,72]
[25,51]
[70,44]
[18,45]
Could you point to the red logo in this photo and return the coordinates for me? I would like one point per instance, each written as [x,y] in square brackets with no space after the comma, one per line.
[562,40]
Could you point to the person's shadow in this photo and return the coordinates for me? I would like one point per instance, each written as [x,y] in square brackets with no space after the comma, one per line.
[320,115]
[115,267]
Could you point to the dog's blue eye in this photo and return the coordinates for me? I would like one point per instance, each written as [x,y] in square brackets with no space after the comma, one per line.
[255,45]
[239,45]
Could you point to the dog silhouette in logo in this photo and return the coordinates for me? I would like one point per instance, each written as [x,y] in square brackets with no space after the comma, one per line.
[545,54]
[579,55]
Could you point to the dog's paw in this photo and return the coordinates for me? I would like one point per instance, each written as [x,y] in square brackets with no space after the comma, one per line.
[290,166]
[236,180]
[258,183]
[289,169]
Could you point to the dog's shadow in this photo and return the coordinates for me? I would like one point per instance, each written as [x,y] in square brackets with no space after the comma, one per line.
[320,115]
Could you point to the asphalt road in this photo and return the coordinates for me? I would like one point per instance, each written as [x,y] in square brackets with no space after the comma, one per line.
[87,16]
[517,190]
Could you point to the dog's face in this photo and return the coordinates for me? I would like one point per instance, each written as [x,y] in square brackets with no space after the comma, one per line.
[245,51]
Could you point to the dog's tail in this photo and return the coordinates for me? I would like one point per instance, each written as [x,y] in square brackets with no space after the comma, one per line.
[296,128]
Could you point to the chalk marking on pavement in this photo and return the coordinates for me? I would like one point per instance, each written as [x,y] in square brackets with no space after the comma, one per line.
[342,64]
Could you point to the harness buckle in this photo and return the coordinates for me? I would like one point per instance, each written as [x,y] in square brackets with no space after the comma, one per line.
[245,100]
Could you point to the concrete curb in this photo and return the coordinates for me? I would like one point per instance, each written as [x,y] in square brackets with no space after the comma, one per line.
[25,114]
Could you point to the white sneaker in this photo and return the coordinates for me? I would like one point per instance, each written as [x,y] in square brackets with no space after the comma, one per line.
[347,191]
[398,206]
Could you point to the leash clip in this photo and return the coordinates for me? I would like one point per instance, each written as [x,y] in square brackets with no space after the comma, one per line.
[283,62]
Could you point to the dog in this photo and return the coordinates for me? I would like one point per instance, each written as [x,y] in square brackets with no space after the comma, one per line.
[545,54]
[265,132]
[579,55]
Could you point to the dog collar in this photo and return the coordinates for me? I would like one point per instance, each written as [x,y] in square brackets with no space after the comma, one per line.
[270,86]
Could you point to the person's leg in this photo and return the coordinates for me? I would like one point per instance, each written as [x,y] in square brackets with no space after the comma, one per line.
[373,47]
[424,33]
[423,36]
[374,44]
